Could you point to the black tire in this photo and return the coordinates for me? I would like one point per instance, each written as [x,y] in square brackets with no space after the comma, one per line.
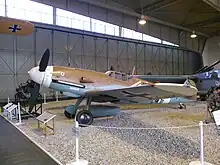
[87,115]
[183,106]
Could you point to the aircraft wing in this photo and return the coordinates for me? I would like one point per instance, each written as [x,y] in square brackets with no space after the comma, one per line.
[15,26]
[146,93]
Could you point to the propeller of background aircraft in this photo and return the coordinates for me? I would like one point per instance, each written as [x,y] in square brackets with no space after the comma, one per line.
[35,86]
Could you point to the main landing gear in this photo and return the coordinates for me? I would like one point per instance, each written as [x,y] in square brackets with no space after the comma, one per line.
[83,116]
[182,106]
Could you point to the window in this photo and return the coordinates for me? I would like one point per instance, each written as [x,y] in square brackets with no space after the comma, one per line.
[112,29]
[127,33]
[77,21]
[29,10]
[151,39]
[64,18]
[104,27]
[37,12]
[137,35]
[2,7]
[72,20]
[169,43]
[98,26]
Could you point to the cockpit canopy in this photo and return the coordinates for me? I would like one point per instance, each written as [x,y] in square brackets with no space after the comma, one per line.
[118,75]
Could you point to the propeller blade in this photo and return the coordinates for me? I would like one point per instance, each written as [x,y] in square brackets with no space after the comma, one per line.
[44,61]
[34,95]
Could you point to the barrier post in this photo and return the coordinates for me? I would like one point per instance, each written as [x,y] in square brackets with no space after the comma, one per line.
[19,114]
[77,161]
[45,100]
[201,143]
[77,141]
[57,96]
[201,161]
[8,100]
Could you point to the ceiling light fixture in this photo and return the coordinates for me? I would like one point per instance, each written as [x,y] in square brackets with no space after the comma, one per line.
[193,35]
[142,21]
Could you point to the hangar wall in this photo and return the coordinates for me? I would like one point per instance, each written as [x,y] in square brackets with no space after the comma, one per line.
[167,33]
[87,50]
[211,51]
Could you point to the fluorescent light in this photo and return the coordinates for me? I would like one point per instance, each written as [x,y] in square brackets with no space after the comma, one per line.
[142,20]
[193,35]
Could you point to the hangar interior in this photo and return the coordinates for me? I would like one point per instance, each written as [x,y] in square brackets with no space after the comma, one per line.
[102,34]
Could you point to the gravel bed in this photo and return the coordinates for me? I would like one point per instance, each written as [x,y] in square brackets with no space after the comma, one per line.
[154,146]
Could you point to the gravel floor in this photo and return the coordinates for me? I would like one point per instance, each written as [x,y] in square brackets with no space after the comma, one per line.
[154,146]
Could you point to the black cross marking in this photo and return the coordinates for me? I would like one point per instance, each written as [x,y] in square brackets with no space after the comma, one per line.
[14,28]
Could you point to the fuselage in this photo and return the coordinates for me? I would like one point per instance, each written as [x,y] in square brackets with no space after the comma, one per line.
[75,82]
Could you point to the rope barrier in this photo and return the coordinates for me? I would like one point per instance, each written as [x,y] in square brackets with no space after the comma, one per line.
[200,125]
[142,128]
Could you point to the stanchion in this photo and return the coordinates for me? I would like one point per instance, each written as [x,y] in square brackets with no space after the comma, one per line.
[57,96]
[201,143]
[78,161]
[45,100]
[8,100]
[77,141]
[201,162]
[19,114]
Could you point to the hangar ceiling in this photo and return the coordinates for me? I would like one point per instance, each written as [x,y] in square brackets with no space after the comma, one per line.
[198,15]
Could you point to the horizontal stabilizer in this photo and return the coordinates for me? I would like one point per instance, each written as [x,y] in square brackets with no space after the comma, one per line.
[201,70]
[208,68]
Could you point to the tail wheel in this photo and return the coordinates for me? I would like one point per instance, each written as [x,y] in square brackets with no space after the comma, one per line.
[84,117]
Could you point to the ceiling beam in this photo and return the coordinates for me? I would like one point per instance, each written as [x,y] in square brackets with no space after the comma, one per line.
[213,3]
[203,23]
[137,15]
[187,14]
[190,12]
[158,5]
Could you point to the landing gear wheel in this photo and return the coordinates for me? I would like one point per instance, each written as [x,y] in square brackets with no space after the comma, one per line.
[182,106]
[84,117]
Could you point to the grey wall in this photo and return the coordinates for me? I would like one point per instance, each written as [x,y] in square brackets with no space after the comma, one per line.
[211,51]
[161,31]
[85,50]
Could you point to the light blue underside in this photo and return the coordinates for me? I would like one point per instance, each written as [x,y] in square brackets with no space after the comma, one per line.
[78,92]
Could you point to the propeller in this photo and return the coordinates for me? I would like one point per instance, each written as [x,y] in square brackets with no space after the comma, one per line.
[36,87]
[44,60]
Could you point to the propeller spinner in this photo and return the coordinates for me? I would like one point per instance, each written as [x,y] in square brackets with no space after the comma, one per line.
[37,74]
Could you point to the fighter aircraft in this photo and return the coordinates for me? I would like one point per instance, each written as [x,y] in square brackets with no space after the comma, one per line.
[15,26]
[205,78]
[101,87]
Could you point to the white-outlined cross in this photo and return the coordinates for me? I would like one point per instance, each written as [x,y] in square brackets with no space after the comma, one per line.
[14,28]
